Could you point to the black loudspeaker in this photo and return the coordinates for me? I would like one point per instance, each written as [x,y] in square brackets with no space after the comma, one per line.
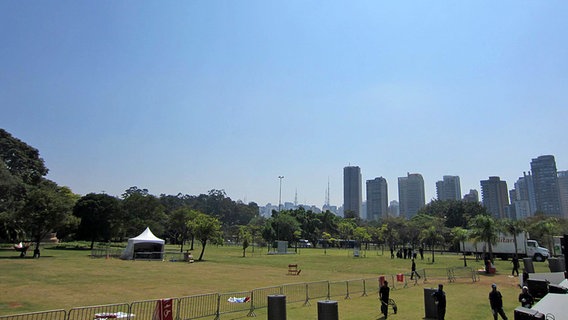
[538,288]
[553,288]
[527,314]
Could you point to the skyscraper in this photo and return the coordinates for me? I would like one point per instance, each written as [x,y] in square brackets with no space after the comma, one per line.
[449,188]
[377,199]
[472,196]
[563,187]
[352,193]
[411,194]
[523,197]
[495,196]
[545,180]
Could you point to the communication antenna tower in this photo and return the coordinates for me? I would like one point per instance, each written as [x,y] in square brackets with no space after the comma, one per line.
[327,193]
[296,198]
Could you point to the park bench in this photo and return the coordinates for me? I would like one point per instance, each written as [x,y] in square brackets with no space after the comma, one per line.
[293,270]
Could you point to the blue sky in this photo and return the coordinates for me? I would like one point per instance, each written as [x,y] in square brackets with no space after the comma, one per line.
[188,96]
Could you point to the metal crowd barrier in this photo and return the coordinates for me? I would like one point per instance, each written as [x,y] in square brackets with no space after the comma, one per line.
[43,315]
[200,306]
[121,310]
[217,304]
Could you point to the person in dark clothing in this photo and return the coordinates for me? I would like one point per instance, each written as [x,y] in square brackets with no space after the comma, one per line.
[440,298]
[496,302]
[384,293]
[421,251]
[525,277]
[525,298]
[413,273]
[515,262]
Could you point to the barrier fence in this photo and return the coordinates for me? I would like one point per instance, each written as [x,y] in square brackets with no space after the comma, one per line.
[217,304]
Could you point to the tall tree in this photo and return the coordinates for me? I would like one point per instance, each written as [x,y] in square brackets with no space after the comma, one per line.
[461,235]
[97,212]
[141,210]
[205,228]
[21,159]
[47,208]
[484,228]
[513,227]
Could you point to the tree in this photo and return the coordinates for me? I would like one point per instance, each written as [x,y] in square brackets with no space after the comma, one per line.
[47,208]
[245,236]
[178,225]
[484,228]
[461,235]
[96,211]
[513,227]
[546,229]
[432,236]
[205,228]
[141,210]
[345,228]
[21,160]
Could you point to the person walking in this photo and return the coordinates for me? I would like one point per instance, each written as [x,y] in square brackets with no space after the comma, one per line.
[515,262]
[525,298]
[440,298]
[496,302]
[384,293]
[413,273]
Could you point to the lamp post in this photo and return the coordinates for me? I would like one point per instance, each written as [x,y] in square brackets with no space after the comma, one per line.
[280,194]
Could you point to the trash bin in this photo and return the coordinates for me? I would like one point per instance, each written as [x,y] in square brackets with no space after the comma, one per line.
[327,310]
[276,307]
[528,264]
[430,308]
[556,265]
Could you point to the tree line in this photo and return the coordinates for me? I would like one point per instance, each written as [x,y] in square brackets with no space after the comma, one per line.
[32,206]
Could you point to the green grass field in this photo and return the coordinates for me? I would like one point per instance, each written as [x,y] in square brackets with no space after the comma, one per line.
[63,279]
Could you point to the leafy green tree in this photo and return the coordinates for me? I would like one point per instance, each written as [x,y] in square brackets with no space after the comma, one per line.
[141,210]
[47,207]
[431,235]
[246,237]
[328,221]
[178,225]
[205,228]
[461,235]
[484,228]
[513,227]
[96,213]
[345,228]
[284,226]
[21,160]
[546,229]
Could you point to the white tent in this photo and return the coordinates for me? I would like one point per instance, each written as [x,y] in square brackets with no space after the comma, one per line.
[146,246]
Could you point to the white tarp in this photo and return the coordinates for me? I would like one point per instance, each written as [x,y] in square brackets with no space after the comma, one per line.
[145,246]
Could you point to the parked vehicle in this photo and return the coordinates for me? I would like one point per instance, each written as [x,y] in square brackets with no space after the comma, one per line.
[303,243]
[505,247]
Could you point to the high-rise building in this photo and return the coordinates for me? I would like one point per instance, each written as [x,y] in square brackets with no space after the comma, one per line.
[352,193]
[524,191]
[563,187]
[394,209]
[449,188]
[545,181]
[377,199]
[495,196]
[472,196]
[411,194]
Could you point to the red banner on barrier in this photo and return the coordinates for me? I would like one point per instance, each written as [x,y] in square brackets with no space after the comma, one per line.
[163,310]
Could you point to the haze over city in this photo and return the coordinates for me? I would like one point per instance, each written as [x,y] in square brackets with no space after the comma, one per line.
[184,97]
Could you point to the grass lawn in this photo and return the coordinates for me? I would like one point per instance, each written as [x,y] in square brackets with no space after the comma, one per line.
[63,279]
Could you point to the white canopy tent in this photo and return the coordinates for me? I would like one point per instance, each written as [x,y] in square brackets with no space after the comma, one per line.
[145,246]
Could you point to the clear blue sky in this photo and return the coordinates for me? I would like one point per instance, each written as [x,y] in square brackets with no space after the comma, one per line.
[188,96]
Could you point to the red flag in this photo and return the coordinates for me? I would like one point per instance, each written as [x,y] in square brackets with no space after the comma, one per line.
[163,310]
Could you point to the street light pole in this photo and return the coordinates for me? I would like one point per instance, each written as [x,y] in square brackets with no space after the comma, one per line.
[280,194]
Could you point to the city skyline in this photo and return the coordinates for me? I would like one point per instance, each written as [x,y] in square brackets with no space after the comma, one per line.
[186,97]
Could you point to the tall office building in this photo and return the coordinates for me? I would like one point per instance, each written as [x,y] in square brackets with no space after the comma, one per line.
[563,187]
[377,199]
[394,209]
[523,196]
[472,196]
[411,194]
[495,197]
[352,193]
[545,180]
[449,188]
